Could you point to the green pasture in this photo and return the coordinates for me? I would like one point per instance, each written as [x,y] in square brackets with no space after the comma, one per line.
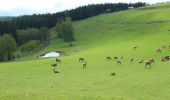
[113,34]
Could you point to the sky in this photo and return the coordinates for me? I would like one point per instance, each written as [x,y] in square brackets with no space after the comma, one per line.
[27,7]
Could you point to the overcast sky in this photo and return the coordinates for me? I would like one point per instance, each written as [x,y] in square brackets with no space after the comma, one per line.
[22,7]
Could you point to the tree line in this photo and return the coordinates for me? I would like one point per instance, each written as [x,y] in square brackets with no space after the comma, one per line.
[50,20]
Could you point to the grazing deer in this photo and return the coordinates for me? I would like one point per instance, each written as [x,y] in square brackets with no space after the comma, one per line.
[158,51]
[58,60]
[167,58]
[131,60]
[81,60]
[148,63]
[152,60]
[55,71]
[116,58]
[119,62]
[84,65]
[54,65]
[108,58]
[141,61]
[162,59]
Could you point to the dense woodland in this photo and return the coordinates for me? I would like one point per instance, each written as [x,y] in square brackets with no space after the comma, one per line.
[50,20]
[31,30]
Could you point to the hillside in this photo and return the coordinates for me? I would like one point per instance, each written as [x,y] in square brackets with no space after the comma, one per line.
[123,30]
[113,34]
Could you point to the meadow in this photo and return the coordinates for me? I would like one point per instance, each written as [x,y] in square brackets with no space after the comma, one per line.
[113,34]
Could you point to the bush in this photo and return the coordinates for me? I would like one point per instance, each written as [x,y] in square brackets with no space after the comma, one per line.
[30,45]
[28,34]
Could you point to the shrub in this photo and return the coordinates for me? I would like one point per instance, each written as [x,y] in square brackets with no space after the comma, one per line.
[30,45]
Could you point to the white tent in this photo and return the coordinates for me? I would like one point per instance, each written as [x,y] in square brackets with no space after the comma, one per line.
[51,54]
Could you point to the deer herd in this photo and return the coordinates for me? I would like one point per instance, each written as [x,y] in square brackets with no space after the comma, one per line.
[118,60]
[58,61]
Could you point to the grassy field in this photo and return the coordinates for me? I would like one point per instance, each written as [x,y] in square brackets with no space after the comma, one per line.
[105,35]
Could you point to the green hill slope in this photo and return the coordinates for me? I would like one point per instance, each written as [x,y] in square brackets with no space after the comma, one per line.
[105,35]
[148,29]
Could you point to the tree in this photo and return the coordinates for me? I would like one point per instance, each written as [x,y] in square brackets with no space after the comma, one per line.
[59,30]
[65,30]
[44,34]
[10,46]
[7,47]
[2,49]
[58,26]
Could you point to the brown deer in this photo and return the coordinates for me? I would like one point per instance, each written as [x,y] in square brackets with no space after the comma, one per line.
[84,65]
[108,58]
[162,59]
[119,62]
[81,60]
[141,61]
[148,63]
[152,60]
[55,71]
[116,58]
[158,51]
[167,58]
[58,61]
[131,60]
[54,65]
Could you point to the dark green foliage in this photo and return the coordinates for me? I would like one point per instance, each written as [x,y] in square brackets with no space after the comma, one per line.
[27,35]
[36,21]
[32,44]
[44,34]
[49,20]
[7,47]
[65,30]
[7,27]
[59,30]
